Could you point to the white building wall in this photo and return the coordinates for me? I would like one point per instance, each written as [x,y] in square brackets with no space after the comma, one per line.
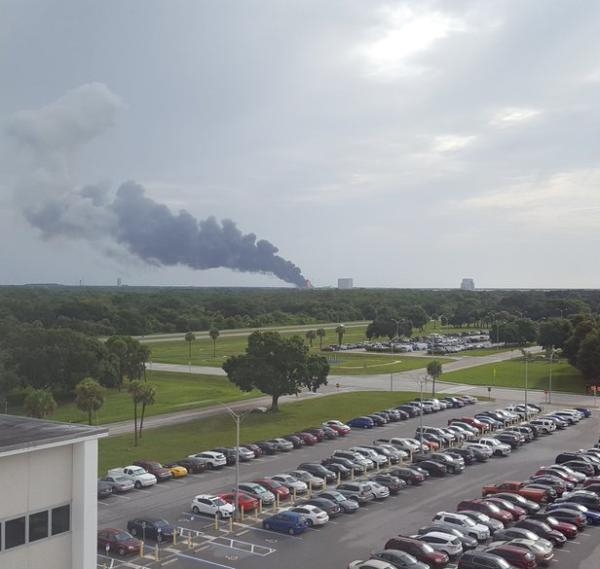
[52,553]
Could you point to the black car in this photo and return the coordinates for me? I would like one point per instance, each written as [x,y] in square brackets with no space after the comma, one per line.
[430,437]
[434,468]
[347,505]
[481,560]
[104,489]
[330,434]
[343,472]
[332,508]
[587,499]
[417,468]
[542,529]
[409,475]
[393,456]
[267,447]
[511,439]
[399,559]
[467,454]
[157,529]
[379,421]
[318,470]
[349,464]
[191,464]
[402,414]
[412,410]
[295,440]
[392,483]
[229,453]
[528,505]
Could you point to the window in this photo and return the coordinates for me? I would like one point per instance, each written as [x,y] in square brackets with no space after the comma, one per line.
[14,532]
[38,526]
[61,519]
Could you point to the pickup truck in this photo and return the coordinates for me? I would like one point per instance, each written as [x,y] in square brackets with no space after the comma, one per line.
[136,474]
[534,494]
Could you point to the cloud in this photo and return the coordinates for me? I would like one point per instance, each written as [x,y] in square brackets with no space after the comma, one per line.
[514,115]
[403,33]
[452,142]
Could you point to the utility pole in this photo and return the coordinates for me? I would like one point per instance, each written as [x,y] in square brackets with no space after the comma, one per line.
[237,419]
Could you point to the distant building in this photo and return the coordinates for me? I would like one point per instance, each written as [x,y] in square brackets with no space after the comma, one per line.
[48,494]
[467,284]
[345,283]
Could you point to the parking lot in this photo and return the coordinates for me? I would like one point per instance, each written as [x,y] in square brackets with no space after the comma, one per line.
[345,538]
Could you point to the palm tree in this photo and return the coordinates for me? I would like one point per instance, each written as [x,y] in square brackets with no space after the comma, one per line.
[189,338]
[136,390]
[39,403]
[310,336]
[434,369]
[89,396]
[148,397]
[214,334]
[321,333]
[340,331]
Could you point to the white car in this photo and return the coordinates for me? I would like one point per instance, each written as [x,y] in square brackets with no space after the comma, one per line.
[409,445]
[460,433]
[314,516]
[211,458]
[139,477]
[336,423]
[463,523]
[212,506]
[545,425]
[377,458]
[483,448]
[566,470]
[379,490]
[291,483]
[315,482]
[498,448]
[444,542]
[370,564]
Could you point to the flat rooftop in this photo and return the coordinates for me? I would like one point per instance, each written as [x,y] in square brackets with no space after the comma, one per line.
[25,433]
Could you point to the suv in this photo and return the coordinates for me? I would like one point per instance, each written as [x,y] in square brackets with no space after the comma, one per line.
[498,448]
[464,524]
[359,491]
[355,457]
[419,549]
[257,491]
[211,459]
[444,542]
[211,505]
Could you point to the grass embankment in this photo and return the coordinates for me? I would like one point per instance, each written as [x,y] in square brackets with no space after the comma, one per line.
[511,373]
[342,363]
[171,443]
[175,392]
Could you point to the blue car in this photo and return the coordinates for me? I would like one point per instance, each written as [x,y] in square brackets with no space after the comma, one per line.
[593,516]
[586,412]
[288,522]
[361,423]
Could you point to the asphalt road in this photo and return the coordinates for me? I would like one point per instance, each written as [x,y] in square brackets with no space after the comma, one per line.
[348,537]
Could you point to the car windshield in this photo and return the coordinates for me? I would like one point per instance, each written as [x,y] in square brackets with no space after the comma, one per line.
[468,522]
[122,536]
[137,471]
[426,548]
[551,521]
[218,502]
[161,523]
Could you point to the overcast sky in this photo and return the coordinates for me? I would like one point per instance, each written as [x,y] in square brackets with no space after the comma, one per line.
[404,144]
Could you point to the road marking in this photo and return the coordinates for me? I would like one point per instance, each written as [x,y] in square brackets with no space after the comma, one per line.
[121,497]
[169,561]
[191,557]
[242,532]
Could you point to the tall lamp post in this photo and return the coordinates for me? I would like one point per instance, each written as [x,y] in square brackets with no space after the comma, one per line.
[397,323]
[526,356]
[237,419]
[550,375]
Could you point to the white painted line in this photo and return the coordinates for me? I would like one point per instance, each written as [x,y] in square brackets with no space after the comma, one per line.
[204,561]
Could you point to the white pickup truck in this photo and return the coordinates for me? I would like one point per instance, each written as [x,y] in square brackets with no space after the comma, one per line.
[136,474]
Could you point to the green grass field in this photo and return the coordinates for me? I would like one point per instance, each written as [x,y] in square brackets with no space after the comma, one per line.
[172,443]
[366,364]
[485,352]
[512,374]
[175,392]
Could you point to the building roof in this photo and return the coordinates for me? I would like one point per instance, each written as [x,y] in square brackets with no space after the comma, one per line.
[20,434]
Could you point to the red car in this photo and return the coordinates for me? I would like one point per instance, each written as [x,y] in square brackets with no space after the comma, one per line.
[118,541]
[485,507]
[338,426]
[516,512]
[246,502]
[567,529]
[316,432]
[516,556]
[255,449]
[276,487]
[308,438]
[419,549]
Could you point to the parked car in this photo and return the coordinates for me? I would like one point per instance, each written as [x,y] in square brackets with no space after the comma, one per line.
[508,534]
[104,489]
[296,441]
[137,475]
[308,438]
[314,516]
[280,491]
[291,482]
[516,512]
[392,483]
[211,505]
[434,468]
[464,524]
[514,556]
[268,447]
[255,449]
[229,454]
[258,491]
[177,470]
[467,455]
[318,470]
[358,491]
[466,541]
[543,555]
[340,427]
[118,541]
[568,529]
[420,550]
[361,423]
[283,445]
[409,475]
[212,459]
[483,519]
[347,505]
[529,506]
[592,518]
[315,482]
[157,529]
[498,447]
[491,510]
[118,483]
[245,502]
[543,530]
[292,523]
[346,462]
[399,559]
[444,542]
[370,564]
[330,507]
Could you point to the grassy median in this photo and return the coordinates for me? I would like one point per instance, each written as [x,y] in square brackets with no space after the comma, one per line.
[171,443]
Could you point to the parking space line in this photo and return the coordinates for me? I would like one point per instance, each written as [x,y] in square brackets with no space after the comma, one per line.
[191,557]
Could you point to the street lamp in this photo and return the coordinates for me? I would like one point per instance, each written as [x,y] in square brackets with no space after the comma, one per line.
[421,380]
[550,375]
[237,419]
[526,356]
[397,323]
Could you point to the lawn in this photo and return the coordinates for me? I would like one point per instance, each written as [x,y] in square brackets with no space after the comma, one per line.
[485,352]
[343,363]
[511,373]
[203,353]
[171,443]
[175,392]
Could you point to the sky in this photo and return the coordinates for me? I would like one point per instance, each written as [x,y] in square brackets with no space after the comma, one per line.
[403,144]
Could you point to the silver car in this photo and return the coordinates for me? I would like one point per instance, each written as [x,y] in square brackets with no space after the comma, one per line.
[291,483]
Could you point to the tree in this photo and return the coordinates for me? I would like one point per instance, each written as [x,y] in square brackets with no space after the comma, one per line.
[147,397]
[89,396]
[572,345]
[321,333]
[189,338]
[310,336]
[340,331]
[214,334]
[136,390]
[39,403]
[554,332]
[434,369]
[588,358]
[118,347]
[276,366]
[132,357]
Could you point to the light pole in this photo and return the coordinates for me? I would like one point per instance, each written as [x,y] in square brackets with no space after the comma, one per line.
[422,380]
[526,356]
[397,323]
[237,419]
[550,375]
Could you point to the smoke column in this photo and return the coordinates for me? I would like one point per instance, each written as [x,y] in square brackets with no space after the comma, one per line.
[49,201]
